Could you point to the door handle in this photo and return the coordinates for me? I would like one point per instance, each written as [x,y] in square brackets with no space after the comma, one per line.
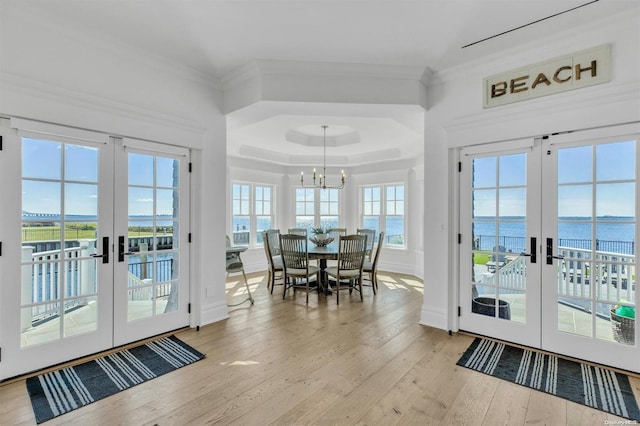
[121,252]
[105,250]
[532,255]
[550,255]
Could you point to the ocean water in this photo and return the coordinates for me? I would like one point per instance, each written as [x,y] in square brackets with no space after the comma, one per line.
[611,233]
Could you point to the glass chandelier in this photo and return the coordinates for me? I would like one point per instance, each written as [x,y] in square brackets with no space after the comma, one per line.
[321,180]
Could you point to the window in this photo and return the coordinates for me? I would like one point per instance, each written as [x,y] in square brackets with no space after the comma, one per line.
[329,208]
[252,212]
[317,207]
[383,210]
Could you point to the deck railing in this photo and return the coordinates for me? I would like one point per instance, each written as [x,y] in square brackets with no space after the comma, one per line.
[42,278]
[608,279]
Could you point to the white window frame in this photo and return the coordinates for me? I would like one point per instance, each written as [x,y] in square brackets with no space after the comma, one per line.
[317,206]
[252,209]
[384,210]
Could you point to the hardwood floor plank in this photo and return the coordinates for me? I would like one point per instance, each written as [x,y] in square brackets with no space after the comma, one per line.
[508,405]
[546,409]
[283,362]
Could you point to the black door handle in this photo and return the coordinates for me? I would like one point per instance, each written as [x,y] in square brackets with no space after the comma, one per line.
[532,255]
[550,255]
[121,252]
[105,250]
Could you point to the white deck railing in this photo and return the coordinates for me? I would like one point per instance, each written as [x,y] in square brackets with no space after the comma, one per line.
[610,275]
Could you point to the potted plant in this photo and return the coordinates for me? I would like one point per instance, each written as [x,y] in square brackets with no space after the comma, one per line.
[320,232]
[320,236]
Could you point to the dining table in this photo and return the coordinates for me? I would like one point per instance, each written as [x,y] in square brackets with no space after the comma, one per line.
[322,254]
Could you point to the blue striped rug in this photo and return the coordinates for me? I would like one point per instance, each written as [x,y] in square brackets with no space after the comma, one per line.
[60,391]
[585,384]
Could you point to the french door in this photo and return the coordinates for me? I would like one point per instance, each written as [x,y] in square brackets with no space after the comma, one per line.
[94,254]
[151,290]
[551,254]
[500,227]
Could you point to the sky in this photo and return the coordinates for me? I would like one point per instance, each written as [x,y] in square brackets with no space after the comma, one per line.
[606,172]
[43,169]
[608,166]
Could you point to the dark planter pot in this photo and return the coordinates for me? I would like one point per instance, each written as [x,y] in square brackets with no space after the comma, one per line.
[487,306]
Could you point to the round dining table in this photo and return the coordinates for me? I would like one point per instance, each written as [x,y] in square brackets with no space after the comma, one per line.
[324,253]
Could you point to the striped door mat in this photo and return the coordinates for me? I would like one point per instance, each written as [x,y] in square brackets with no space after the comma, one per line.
[60,391]
[585,384]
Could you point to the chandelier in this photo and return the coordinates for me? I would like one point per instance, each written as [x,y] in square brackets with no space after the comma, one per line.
[321,180]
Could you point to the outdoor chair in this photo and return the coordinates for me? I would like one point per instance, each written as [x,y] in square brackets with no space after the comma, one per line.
[274,263]
[351,252]
[497,260]
[234,265]
[371,237]
[295,260]
[371,267]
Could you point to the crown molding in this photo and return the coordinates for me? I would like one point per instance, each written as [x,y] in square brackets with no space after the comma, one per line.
[333,161]
[403,72]
[24,87]
[255,69]
[300,138]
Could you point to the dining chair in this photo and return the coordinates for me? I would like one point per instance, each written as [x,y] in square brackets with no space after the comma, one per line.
[298,231]
[371,236]
[274,263]
[295,261]
[274,241]
[371,267]
[351,252]
[337,232]
[235,265]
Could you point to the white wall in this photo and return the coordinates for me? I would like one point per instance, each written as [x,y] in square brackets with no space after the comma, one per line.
[455,118]
[58,72]
[407,260]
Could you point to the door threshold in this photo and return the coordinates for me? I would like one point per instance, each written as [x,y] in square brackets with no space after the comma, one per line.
[80,360]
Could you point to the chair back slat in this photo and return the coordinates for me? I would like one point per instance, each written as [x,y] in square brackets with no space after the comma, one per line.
[294,251]
[336,233]
[298,231]
[371,236]
[351,252]
[273,235]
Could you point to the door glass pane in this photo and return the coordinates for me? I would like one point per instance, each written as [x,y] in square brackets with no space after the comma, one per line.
[59,284]
[153,276]
[596,240]
[499,214]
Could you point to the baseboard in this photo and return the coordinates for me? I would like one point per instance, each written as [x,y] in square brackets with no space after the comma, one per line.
[213,313]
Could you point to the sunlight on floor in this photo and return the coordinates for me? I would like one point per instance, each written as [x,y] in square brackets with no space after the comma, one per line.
[240,363]
[407,284]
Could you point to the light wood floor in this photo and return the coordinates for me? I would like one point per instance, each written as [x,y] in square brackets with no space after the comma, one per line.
[282,362]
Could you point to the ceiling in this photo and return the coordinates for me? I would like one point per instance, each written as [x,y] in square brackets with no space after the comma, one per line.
[217,37]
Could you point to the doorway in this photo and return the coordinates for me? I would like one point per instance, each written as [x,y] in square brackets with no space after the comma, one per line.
[103,249]
[549,255]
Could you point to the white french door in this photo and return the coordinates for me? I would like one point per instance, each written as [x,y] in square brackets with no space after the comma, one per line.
[589,269]
[500,227]
[549,257]
[69,288]
[151,290]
